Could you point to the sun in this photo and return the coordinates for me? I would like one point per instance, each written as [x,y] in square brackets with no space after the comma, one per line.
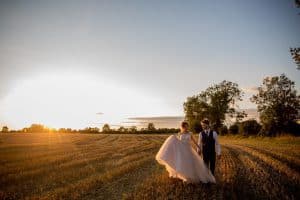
[75,100]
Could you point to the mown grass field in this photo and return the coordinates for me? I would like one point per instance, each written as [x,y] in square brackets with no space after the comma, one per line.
[86,166]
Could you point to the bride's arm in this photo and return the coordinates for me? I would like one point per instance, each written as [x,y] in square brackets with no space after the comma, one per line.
[193,139]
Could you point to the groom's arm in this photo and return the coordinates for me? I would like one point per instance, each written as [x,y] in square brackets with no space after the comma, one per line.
[217,144]
[199,144]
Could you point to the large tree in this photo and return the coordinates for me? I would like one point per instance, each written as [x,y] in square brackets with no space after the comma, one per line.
[214,103]
[277,103]
[295,52]
[297,3]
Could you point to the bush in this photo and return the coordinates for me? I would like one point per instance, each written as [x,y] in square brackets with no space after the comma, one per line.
[223,130]
[4,129]
[250,127]
[290,127]
[293,128]
[234,129]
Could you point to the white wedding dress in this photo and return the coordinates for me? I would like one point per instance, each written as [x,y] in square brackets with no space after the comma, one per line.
[182,161]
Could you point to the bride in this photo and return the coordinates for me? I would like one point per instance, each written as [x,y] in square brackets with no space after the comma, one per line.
[181,160]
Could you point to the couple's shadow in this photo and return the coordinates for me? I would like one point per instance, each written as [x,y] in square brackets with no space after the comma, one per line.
[177,181]
[184,190]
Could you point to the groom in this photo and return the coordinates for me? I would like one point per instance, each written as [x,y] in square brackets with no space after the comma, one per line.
[209,145]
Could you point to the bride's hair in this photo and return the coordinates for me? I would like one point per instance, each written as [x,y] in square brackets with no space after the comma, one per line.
[184,124]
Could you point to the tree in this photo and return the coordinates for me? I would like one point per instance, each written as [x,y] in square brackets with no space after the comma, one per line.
[122,129]
[133,129]
[195,110]
[4,129]
[106,128]
[234,129]
[297,3]
[277,103]
[37,128]
[214,103]
[151,127]
[62,130]
[250,127]
[295,52]
[86,130]
[224,130]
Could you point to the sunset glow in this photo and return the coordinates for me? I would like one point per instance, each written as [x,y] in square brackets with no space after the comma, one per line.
[75,100]
[78,64]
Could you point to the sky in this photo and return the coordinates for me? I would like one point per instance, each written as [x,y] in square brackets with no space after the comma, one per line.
[85,63]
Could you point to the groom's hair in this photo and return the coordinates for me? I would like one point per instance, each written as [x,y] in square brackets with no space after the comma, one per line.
[184,124]
[205,121]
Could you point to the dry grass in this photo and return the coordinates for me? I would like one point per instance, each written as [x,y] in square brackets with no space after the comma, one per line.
[250,168]
[83,166]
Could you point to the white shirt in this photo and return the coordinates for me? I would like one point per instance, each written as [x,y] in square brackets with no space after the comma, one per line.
[217,144]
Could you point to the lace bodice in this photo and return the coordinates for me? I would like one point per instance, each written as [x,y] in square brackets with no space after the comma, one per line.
[186,137]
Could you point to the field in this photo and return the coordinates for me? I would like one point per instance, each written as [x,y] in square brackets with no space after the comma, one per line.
[86,166]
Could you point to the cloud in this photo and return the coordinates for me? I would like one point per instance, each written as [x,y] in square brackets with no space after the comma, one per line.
[159,118]
[159,121]
[250,90]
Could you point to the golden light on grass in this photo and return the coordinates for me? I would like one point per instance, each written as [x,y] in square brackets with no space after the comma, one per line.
[116,166]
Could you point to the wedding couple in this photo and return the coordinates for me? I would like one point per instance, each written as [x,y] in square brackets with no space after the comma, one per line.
[184,162]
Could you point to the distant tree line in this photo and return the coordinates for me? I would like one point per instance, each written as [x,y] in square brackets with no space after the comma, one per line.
[278,105]
[106,129]
[150,129]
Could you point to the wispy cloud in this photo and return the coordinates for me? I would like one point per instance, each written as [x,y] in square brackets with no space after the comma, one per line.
[250,90]
[160,121]
[160,118]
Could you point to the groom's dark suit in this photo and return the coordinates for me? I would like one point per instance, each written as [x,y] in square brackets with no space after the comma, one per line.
[208,150]
[208,144]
